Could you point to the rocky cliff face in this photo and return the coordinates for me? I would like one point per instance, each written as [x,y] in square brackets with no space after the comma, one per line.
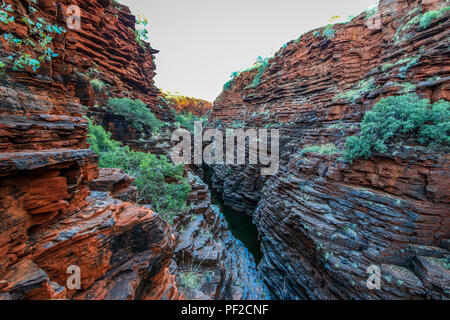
[102,59]
[51,220]
[322,220]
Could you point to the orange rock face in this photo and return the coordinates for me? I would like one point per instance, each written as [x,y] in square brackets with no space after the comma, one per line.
[323,221]
[197,107]
[51,220]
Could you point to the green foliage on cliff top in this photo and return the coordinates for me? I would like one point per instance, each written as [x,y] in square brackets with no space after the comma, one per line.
[261,65]
[328,32]
[159,182]
[141,30]
[401,116]
[136,112]
[370,12]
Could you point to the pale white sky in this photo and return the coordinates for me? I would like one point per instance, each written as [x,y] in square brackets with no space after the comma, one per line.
[203,41]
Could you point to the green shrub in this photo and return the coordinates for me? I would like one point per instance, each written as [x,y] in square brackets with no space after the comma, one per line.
[411,63]
[387,66]
[229,83]
[159,183]
[101,142]
[261,65]
[328,32]
[34,48]
[97,84]
[190,277]
[136,112]
[428,17]
[2,68]
[406,64]
[141,31]
[400,116]
[257,79]
[406,87]
[329,148]
[189,280]
[371,12]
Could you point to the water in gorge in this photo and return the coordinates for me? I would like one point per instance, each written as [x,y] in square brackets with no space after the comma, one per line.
[240,224]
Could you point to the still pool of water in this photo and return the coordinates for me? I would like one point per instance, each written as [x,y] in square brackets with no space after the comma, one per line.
[240,224]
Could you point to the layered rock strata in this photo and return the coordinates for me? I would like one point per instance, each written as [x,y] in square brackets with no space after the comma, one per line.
[52,223]
[210,263]
[183,104]
[324,221]
[59,213]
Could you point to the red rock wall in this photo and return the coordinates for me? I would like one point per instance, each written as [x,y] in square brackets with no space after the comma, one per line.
[224,268]
[323,221]
[104,49]
[49,218]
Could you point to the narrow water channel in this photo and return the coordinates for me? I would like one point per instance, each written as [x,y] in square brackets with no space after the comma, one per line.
[240,224]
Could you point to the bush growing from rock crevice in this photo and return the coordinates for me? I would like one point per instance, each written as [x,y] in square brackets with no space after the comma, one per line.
[363,87]
[427,18]
[328,32]
[260,64]
[401,117]
[97,84]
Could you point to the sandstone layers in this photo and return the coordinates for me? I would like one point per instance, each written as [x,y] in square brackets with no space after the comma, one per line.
[323,221]
[51,220]
[59,210]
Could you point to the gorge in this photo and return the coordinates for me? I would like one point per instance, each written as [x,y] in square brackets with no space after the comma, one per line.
[147,229]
